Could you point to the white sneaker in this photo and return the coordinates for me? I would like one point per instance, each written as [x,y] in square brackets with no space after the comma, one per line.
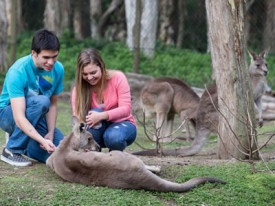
[14,159]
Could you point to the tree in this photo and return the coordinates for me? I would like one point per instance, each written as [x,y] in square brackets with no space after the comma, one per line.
[103,21]
[166,29]
[56,16]
[181,16]
[81,19]
[149,18]
[77,20]
[269,28]
[3,36]
[226,26]
[95,13]
[171,21]
[247,17]
[137,37]
[13,31]
[17,12]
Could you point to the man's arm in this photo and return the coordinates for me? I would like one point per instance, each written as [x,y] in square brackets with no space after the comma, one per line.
[18,106]
[51,117]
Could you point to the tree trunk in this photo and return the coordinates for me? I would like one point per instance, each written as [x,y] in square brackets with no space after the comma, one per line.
[77,20]
[56,16]
[105,17]
[65,14]
[269,28]
[247,18]
[13,31]
[148,34]
[226,22]
[181,16]
[95,13]
[19,24]
[166,30]
[137,37]
[3,36]
[148,25]
[130,8]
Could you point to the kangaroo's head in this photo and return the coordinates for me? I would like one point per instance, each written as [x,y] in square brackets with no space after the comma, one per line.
[81,137]
[258,64]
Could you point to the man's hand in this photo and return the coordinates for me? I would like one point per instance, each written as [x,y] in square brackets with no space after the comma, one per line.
[48,145]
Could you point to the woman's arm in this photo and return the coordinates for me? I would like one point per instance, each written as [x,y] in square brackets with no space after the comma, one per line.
[123,109]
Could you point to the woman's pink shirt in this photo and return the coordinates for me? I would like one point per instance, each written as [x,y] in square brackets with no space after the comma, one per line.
[117,99]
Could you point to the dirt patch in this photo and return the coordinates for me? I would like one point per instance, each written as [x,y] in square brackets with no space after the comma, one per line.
[208,156]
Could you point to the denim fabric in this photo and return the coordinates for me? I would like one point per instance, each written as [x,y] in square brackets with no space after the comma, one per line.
[19,142]
[114,135]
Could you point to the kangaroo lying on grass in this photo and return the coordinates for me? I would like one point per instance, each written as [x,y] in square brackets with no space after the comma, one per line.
[115,169]
[166,97]
[208,117]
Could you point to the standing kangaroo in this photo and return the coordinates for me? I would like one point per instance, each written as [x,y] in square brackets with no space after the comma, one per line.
[208,117]
[115,169]
[166,97]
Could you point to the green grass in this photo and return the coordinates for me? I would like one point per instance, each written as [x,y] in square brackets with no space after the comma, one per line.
[39,185]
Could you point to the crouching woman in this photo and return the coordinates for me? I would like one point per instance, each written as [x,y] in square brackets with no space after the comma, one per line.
[101,98]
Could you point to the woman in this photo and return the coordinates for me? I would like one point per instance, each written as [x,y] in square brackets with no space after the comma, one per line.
[101,98]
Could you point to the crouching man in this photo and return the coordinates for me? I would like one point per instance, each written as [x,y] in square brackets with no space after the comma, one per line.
[28,103]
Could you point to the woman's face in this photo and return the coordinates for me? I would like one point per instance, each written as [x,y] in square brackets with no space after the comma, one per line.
[92,74]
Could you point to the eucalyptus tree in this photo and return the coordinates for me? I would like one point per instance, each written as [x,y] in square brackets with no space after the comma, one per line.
[228,53]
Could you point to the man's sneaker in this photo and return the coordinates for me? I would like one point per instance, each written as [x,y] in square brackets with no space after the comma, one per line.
[14,159]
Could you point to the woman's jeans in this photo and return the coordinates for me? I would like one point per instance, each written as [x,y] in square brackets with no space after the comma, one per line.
[113,135]
[19,142]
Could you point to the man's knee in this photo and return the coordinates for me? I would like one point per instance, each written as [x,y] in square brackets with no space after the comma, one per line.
[41,103]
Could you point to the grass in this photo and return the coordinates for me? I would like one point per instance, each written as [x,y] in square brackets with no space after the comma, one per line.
[39,185]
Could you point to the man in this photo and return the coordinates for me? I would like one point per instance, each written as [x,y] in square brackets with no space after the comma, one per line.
[28,103]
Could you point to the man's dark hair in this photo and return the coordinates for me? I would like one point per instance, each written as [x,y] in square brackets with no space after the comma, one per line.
[45,40]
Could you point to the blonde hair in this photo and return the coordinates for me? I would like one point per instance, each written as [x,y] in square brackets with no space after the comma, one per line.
[83,88]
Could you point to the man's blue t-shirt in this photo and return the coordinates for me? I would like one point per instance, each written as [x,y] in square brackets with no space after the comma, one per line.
[24,79]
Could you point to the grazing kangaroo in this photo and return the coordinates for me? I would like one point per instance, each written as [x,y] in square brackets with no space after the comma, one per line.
[208,117]
[165,97]
[115,169]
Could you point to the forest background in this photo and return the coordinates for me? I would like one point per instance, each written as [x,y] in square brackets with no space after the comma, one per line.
[178,48]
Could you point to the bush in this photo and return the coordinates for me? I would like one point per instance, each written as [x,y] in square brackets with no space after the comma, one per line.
[191,66]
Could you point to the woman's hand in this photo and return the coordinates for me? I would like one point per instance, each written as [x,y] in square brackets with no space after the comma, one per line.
[93,118]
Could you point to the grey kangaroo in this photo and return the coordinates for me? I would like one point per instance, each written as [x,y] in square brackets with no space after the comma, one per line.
[207,116]
[165,97]
[115,169]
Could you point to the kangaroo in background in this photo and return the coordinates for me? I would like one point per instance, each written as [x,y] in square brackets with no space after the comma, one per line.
[115,169]
[208,117]
[165,97]
[258,71]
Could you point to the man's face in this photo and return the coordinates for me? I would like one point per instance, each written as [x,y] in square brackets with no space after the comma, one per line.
[45,59]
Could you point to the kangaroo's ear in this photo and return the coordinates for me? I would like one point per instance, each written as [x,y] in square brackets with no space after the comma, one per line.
[252,55]
[81,127]
[264,53]
[74,121]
